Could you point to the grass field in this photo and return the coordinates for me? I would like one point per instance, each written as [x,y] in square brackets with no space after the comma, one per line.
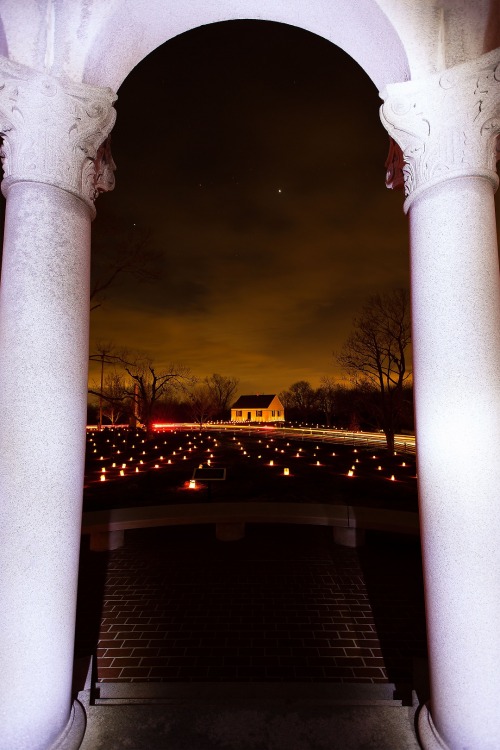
[138,471]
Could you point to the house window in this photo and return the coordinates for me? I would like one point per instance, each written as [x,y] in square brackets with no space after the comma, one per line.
[258,413]
[279,413]
[273,413]
[239,413]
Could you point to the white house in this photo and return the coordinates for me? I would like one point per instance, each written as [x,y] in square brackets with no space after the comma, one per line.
[258,409]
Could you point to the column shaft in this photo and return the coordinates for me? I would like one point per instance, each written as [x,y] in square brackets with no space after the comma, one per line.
[44,311]
[456,346]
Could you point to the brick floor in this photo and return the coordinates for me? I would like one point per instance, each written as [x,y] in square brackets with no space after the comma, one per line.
[284,604]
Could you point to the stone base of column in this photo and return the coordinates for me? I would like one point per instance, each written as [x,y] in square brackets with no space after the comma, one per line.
[72,736]
[427,732]
[348,536]
[101,541]
[229,532]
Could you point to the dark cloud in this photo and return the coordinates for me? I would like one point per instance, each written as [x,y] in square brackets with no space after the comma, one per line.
[255,153]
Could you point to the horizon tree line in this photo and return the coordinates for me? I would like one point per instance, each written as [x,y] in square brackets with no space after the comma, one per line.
[378,395]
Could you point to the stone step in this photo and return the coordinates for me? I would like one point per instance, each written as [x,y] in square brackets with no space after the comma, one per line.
[237,723]
[305,693]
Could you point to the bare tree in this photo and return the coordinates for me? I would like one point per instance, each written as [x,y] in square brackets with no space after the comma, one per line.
[148,386]
[374,355]
[118,251]
[202,403]
[112,396]
[300,398]
[327,397]
[222,389]
[107,354]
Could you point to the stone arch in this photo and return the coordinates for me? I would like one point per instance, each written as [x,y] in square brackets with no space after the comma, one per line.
[125,38]
[444,119]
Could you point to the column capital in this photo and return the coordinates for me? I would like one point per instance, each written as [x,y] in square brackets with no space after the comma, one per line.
[55,132]
[446,125]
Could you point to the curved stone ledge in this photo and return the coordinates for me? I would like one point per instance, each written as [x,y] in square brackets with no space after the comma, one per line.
[106,527]
[72,735]
[427,732]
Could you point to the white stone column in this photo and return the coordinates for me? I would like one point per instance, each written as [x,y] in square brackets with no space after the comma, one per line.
[54,167]
[447,128]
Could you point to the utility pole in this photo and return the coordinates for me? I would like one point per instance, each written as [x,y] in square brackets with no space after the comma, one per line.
[101,391]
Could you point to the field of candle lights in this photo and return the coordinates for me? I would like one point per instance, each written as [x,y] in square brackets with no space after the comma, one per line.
[125,468]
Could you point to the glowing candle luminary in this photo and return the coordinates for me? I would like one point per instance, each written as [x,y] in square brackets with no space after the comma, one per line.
[350,473]
[286,472]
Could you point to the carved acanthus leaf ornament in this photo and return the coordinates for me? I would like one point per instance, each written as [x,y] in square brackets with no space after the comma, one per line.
[55,132]
[446,125]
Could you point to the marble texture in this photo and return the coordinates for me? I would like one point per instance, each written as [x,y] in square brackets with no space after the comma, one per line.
[54,49]
[43,401]
[447,127]
[456,355]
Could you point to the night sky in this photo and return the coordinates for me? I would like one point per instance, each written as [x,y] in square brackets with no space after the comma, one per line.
[254,155]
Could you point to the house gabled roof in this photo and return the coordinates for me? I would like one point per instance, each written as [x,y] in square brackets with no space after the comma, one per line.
[254,402]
